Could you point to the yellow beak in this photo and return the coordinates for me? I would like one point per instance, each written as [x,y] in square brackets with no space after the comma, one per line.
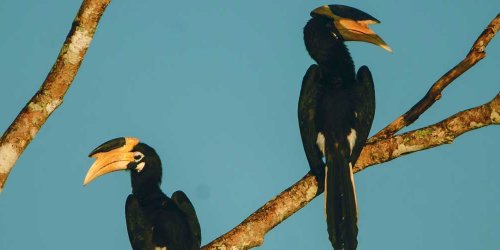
[107,163]
[353,30]
[359,31]
[111,157]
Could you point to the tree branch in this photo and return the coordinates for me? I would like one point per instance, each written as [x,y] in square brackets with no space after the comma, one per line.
[476,54]
[382,147]
[250,233]
[51,94]
[438,134]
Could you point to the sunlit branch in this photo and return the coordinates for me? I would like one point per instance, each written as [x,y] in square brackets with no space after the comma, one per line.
[250,233]
[476,54]
[50,96]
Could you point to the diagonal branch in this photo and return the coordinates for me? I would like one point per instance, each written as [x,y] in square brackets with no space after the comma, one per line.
[250,233]
[382,147]
[438,134]
[476,54]
[51,94]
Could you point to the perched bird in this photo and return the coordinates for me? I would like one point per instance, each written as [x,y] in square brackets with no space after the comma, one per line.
[336,110]
[154,221]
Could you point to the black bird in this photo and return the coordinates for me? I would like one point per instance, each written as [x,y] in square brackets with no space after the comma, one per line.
[336,110]
[154,221]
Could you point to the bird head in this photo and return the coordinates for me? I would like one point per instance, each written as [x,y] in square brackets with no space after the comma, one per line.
[125,153]
[349,24]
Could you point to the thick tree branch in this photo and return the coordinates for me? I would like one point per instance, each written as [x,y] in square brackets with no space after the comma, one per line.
[441,133]
[476,54]
[250,233]
[51,94]
[382,147]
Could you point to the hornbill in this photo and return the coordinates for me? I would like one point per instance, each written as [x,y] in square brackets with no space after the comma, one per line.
[154,221]
[336,110]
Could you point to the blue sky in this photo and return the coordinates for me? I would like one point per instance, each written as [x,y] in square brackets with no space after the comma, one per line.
[213,87]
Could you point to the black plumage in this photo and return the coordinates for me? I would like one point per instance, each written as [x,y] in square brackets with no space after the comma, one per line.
[154,221]
[336,110]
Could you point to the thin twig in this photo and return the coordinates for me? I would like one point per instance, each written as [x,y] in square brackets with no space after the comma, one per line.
[250,233]
[476,54]
[50,96]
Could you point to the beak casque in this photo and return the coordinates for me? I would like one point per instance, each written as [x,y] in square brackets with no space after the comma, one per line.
[352,24]
[111,156]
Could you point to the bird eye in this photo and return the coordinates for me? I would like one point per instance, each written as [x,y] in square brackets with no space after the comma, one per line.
[138,156]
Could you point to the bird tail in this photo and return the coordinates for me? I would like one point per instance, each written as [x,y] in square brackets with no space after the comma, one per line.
[340,198]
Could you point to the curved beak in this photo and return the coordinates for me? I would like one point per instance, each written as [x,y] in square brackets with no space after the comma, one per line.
[359,31]
[113,155]
[352,24]
[107,163]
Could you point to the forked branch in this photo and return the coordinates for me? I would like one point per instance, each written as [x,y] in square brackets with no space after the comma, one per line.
[250,233]
[476,54]
[382,147]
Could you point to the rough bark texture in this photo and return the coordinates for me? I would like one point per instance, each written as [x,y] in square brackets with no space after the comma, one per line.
[431,136]
[476,54]
[382,147]
[51,94]
[250,233]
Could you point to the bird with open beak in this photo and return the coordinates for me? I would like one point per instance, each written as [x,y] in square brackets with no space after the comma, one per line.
[336,110]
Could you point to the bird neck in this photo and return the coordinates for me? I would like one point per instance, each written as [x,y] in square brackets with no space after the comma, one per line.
[145,184]
[328,50]
[339,65]
[146,192]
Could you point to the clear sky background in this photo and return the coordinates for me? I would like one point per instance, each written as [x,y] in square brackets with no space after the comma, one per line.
[213,87]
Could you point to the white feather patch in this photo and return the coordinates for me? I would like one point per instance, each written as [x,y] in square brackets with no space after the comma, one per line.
[326,184]
[351,137]
[353,187]
[160,248]
[140,166]
[320,141]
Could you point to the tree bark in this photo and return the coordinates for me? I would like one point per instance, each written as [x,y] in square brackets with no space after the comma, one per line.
[50,96]
[382,147]
[251,232]
[476,54]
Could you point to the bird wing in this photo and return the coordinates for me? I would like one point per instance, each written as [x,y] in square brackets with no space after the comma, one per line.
[307,114]
[185,205]
[364,104]
[139,229]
